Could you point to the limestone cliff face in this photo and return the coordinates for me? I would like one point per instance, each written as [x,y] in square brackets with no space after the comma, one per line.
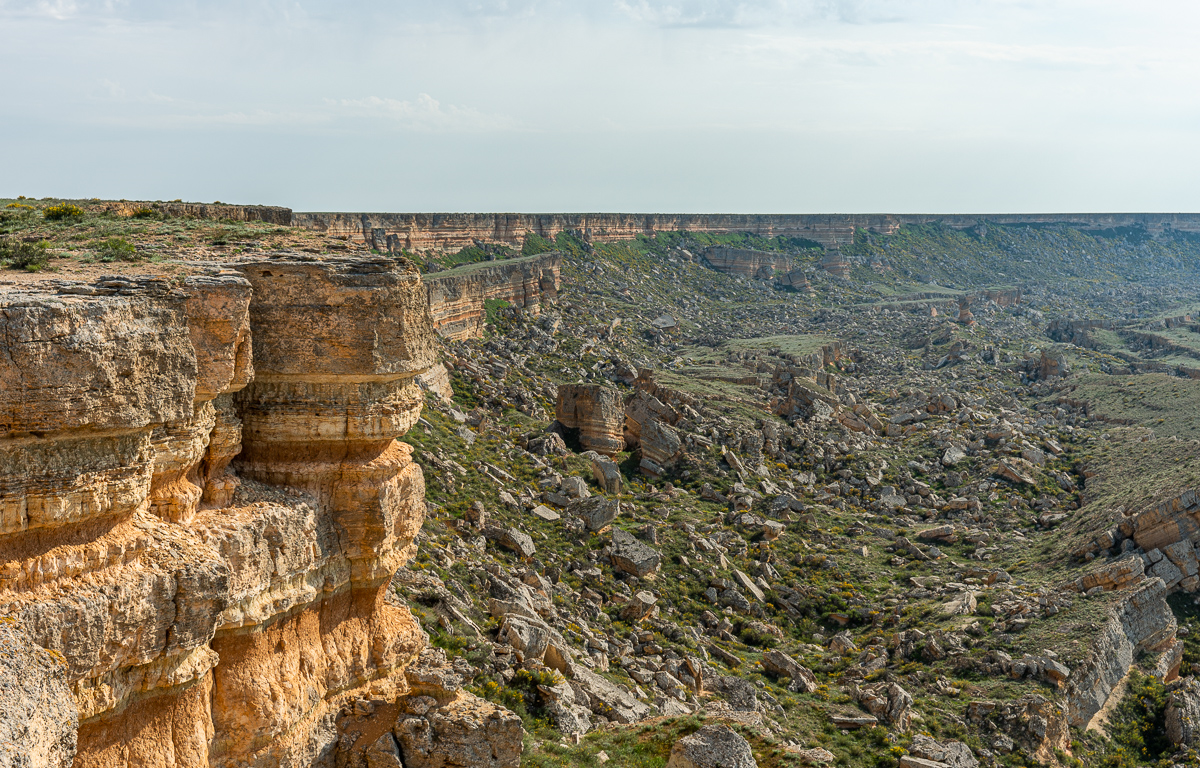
[202,502]
[455,231]
[1141,621]
[456,297]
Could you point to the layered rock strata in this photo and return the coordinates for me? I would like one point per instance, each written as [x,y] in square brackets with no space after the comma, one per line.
[202,503]
[272,214]
[597,412]
[1140,622]
[455,231]
[746,262]
[458,298]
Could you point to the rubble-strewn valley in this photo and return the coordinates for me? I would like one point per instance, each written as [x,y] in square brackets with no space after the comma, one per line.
[305,490]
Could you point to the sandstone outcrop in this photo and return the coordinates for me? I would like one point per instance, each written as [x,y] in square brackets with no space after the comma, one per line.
[202,503]
[746,262]
[457,297]
[597,411]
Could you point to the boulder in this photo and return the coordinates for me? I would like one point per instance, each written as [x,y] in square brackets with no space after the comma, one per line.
[466,731]
[639,606]
[814,756]
[543,512]
[953,754]
[529,637]
[713,746]
[575,487]
[660,442]
[607,474]
[888,702]
[779,664]
[1016,471]
[596,511]
[953,456]
[607,699]
[597,411]
[633,556]
[512,539]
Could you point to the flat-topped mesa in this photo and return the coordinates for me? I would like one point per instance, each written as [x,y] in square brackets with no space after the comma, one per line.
[449,232]
[746,262]
[272,214]
[200,624]
[458,297]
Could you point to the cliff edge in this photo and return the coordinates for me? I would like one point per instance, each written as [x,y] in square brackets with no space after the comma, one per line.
[202,504]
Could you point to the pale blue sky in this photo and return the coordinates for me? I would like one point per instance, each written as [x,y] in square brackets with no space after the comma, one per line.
[607,105]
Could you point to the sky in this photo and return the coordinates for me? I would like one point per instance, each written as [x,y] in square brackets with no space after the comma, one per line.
[750,106]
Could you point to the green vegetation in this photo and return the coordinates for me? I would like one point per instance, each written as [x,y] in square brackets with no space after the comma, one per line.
[115,249]
[62,211]
[535,244]
[492,308]
[31,257]
[1137,734]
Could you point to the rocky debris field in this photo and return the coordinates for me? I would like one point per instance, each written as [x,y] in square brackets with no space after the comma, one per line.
[859,523]
[928,500]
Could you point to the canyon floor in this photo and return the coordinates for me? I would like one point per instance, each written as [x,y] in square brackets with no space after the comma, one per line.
[927,500]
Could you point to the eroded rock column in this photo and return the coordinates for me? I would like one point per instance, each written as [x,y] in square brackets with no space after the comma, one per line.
[338,345]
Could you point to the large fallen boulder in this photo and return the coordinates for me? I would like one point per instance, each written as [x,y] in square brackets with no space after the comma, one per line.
[632,556]
[597,411]
[779,664]
[606,698]
[713,746]
[596,511]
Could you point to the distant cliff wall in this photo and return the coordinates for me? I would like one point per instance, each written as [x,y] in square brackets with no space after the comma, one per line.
[271,214]
[454,231]
[457,297]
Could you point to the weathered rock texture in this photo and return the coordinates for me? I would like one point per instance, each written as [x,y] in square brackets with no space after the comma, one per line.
[38,724]
[746,262]
[454,231]
[201,623]
[457,297]
[597,411]
[1141,621]
[272,214]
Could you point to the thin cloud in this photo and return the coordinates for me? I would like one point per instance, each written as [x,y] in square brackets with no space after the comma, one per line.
[426,113]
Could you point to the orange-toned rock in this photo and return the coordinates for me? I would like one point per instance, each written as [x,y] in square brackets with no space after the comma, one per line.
[457,297]
[201,623]
[597,411]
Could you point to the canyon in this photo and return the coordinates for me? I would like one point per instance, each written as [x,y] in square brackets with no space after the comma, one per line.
[424,491]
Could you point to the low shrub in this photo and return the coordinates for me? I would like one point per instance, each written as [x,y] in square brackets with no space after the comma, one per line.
[144,213]
[30,257]
[62,211]
[115,249]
